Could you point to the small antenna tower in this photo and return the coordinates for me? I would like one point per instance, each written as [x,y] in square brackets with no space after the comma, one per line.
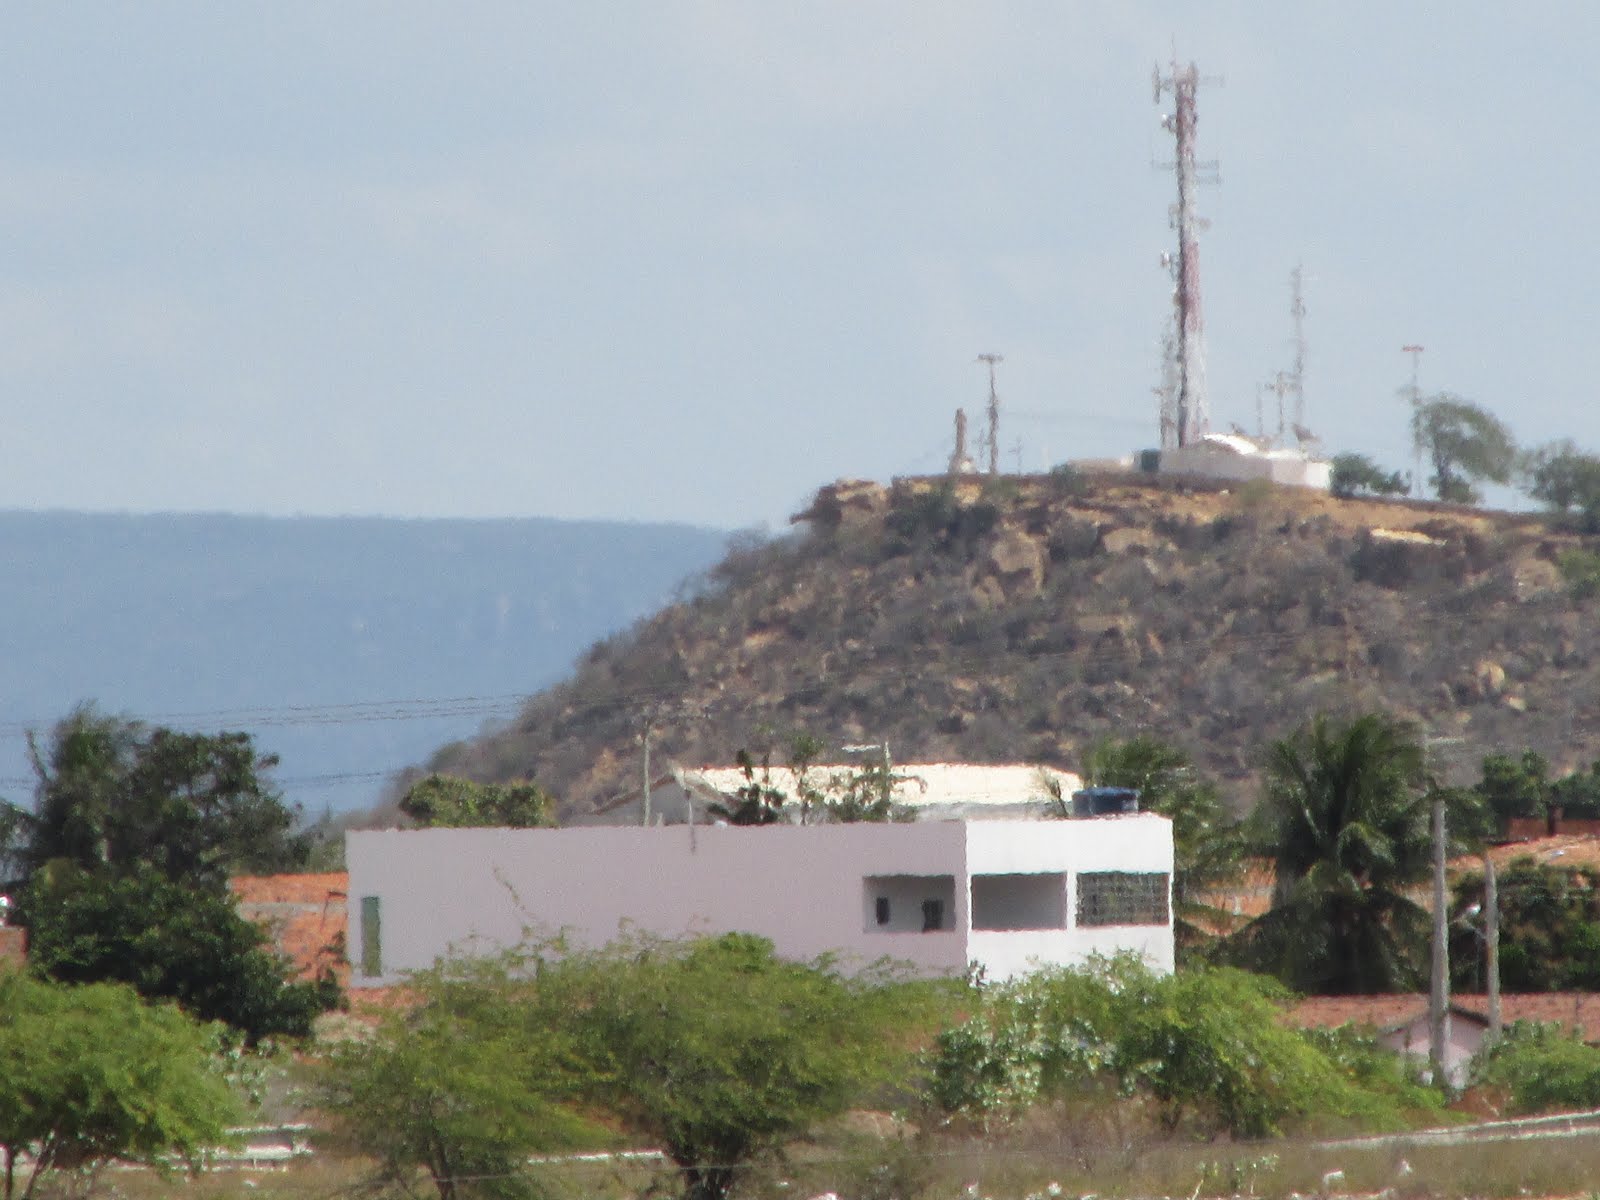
[1192,416]
[994,413]
[1297,373]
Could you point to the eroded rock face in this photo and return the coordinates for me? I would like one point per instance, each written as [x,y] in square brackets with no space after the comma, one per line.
[1016,562]
[845,500]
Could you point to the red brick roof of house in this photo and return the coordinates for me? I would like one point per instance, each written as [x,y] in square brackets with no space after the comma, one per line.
[1570,1010]
[304,916]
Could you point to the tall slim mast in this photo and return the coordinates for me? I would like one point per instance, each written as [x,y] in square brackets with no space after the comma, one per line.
[994,413]
[1192,417]
[1297,373]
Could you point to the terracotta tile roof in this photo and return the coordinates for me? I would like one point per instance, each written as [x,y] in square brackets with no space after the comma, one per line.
[304,916]
[1580,1010]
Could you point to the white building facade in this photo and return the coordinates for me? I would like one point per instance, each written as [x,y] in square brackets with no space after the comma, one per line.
[939,895]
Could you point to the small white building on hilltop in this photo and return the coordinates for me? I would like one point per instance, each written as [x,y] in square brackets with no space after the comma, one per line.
[924,791]
[1230,456]
[939,895]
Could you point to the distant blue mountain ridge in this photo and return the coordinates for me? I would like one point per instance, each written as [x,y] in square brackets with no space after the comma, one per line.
[350,647]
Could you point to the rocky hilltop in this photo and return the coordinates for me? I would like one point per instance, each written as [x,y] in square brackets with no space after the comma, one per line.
[1024,618]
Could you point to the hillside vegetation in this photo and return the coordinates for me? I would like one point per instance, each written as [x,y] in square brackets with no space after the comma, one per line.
[1025,618]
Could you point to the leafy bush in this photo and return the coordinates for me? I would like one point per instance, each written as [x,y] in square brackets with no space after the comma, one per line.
[1207,1048]
[1542,1069]
[1356,474]
[1581,570]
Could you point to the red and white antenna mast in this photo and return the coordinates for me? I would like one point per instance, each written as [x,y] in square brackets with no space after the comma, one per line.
[1191,415]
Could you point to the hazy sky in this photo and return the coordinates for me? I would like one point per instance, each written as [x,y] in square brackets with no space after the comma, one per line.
[689,260]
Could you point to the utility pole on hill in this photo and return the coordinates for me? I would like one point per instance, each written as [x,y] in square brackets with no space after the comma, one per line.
[994,413]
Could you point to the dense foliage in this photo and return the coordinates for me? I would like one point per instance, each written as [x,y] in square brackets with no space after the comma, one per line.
[94,1075]
[170,942]
[715,1049]
[1521,786]
[722,1051]
[1549,928]
[1465,443]
[450,802]
[465,1085]
[1344,820]
[121,868]
[114,794]
[1567,481]
[1540,1067]
[1207,1048]
[1357,475]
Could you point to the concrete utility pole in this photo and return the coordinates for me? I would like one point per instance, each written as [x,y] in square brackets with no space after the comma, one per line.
[1491,944]
[994,413]
[644,806]
[1439,993]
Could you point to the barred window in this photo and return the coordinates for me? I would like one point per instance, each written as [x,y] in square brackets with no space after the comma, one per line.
[1122,898]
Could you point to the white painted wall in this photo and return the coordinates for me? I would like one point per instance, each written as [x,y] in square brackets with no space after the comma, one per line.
[803,887]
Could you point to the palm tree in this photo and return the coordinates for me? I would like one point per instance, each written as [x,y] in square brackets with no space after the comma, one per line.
[1344,819]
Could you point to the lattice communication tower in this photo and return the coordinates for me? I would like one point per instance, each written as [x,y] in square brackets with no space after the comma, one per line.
[1189,414]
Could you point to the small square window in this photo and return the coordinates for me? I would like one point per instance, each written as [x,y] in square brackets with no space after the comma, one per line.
[932,915]
[880,909]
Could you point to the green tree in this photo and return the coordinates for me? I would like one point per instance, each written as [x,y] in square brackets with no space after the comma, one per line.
[1566,480]
[1522,787]
[450,802]
[465,1084]
[1465,444]
[114,794]
[121,867]
[1207,845]
[1344,818]
[722,1051]
[758,801]
[1356,475]
[93,1075]
[169,942]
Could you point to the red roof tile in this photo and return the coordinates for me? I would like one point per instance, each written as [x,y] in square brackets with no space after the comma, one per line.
[1580,1010]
